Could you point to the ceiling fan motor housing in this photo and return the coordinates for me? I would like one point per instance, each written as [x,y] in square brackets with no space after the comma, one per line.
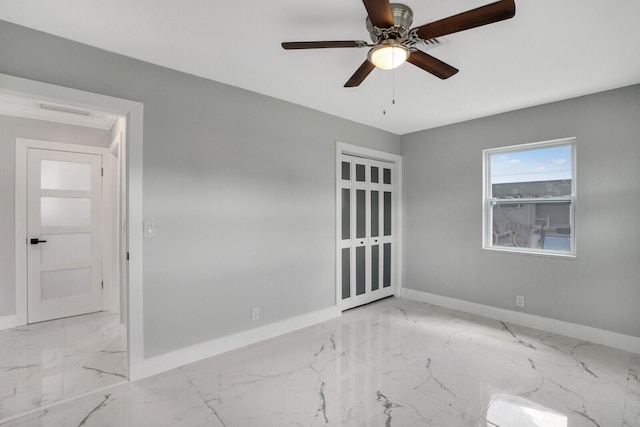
[402,20]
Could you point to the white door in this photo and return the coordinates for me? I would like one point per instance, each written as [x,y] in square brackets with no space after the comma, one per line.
[366,231]
[64,204]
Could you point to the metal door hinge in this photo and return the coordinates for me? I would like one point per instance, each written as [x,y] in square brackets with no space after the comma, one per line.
[102,284]
[101,171]
[127,256]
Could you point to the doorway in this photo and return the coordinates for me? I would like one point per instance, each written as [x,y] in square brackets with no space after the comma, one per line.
[133,112]
[97,325]
[368,226]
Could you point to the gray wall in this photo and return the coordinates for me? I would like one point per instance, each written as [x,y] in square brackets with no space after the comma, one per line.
[443,214]
[240,186]
[10,129]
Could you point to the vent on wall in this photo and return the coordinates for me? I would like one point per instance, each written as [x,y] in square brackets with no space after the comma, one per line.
[41,109]
[65,109]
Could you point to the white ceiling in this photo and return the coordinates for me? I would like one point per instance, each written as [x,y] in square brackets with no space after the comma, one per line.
[551,50]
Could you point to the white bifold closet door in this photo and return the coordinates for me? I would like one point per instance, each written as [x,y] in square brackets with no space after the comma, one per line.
[64,207]
[366,231]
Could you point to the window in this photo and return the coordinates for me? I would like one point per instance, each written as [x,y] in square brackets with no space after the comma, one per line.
[529,198]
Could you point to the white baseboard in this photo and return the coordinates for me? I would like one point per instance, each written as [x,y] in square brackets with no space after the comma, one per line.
[194,353]
[573,330]
[8,322]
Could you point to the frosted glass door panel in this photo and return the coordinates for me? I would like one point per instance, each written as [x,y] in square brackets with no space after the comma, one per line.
[65,283]
[374,174]
[57,175]
[360,271]
[375,211]
[361,214]
[65,212]
[346,273]
[387,213]
[375,267]
[346,171]
[386,267]
[346,213]
[360,173]
[66,249]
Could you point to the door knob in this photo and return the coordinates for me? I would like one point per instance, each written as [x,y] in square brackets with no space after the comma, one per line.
[35,241]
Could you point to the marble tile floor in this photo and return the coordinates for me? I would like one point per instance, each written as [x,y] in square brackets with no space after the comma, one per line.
[53,361]
[392,363]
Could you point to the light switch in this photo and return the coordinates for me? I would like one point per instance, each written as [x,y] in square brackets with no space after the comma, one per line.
[149,229]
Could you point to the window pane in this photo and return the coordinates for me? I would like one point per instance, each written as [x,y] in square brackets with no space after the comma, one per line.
[346,171]
[531,198]
[532,225]
[346,213]
[360,171]
[532,173]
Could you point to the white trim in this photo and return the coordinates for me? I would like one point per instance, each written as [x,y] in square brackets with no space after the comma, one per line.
[112,230]
[8,322]
[573,330]
[369,153]
[134,112]
[135,319]
[194,353]
[531,145]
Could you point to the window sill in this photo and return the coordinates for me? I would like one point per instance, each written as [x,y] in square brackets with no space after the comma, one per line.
[529,251]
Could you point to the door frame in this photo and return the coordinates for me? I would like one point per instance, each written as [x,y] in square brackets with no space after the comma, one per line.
[22,146]
[396,217]
[134,113]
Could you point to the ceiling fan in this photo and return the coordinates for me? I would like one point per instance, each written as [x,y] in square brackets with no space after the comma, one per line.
[394,42]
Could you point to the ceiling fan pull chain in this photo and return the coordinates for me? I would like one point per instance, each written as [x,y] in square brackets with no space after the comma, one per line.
[393,85]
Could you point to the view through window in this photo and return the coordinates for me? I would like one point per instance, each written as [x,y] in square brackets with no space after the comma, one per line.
[530,197]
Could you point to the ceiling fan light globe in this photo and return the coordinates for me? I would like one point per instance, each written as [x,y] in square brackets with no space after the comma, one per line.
[388,57]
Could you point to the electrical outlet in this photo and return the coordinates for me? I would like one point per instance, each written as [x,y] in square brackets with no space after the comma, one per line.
[520,301]
[255,313]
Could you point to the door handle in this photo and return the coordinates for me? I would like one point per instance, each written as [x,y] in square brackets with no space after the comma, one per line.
[35,241]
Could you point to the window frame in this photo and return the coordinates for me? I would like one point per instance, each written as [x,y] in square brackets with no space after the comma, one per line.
[489,201]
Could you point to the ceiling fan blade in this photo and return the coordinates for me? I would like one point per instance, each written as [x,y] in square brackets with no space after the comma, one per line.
[379,12]
[323,44]
[360,74]
[483,15]
[432,65]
